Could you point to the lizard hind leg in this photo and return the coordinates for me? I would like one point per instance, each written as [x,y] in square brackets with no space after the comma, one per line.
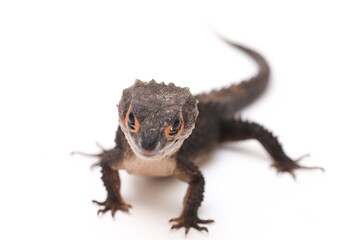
[234,130]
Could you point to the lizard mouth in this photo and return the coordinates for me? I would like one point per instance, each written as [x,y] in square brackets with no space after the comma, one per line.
[149,155]
[145,154]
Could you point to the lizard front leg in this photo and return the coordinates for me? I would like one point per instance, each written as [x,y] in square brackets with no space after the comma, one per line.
[113,200]
[111,180]
[188,172]
[233,130]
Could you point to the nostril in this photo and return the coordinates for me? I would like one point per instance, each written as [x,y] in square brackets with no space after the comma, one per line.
[148,145]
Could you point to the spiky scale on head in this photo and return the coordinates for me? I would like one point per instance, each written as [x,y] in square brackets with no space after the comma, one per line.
[165,115]
[158,94]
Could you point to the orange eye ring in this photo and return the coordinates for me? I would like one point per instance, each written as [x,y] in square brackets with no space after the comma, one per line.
[134,125]
[169,128]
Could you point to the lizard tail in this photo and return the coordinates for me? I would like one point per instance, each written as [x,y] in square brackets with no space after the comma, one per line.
[230,100]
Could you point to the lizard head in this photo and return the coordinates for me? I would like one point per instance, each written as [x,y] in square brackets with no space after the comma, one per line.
[156,118]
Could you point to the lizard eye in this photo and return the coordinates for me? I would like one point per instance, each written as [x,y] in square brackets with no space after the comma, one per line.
[175,128]
[131,122]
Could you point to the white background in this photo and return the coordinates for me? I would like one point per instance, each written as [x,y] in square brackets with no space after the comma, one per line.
[64,64]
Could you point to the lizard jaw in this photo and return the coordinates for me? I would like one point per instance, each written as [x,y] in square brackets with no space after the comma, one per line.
[142,153]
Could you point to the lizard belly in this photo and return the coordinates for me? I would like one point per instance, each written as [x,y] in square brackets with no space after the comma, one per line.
[152,168]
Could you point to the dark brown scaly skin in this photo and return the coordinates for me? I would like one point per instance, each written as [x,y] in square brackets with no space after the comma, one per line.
[110,177]
[234,130]
[153,103]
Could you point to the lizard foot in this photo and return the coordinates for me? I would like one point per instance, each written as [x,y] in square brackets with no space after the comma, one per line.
[112,205]
[290,166]
[189,222]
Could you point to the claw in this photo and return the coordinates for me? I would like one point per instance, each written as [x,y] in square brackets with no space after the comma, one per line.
[104,210]
[292,173]
[99,203]
[112,205]
[125,207]
[174,219]
[94,165]
[197,227]
[177,226]
[313,168]
[190,222]
[113,210]
[290,166]
[98,155]
[100,146]
[205,221]
[91,154]
[86,154]
[302,157]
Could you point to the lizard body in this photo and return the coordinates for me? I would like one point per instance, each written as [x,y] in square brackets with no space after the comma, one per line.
[165,131]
